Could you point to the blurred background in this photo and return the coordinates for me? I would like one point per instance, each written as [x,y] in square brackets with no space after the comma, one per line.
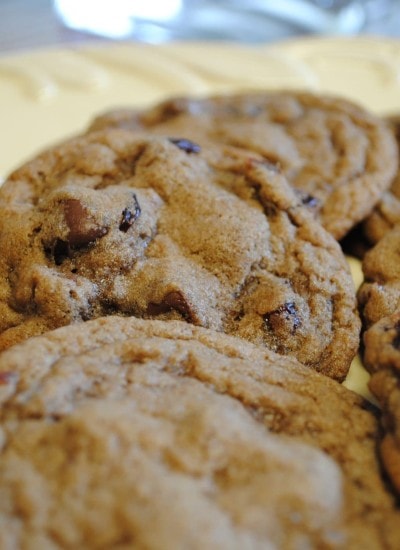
[26,24]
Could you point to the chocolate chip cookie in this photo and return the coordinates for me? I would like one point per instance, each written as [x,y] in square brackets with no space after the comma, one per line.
[382,358]
[386,213]
[155,227]
[125,431]
[379,295]
[339,156]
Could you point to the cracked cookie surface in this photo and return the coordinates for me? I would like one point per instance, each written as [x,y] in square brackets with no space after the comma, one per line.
[336,153]
[386,213]
[379,295]
[382,358]
[154,227]
[133,423]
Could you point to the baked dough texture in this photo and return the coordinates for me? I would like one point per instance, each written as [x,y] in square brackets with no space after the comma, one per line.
[155,227]
[128,433]
[339,156]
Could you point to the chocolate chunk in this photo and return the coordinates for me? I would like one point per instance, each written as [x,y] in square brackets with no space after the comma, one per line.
[172,301]
[157,309]
[285,312]
[83,228]
[6,377]
[186,145]
[130,215]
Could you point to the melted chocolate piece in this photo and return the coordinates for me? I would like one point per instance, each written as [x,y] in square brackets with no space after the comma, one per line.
[128,217]
[172,301]
[83,229]
[186,145]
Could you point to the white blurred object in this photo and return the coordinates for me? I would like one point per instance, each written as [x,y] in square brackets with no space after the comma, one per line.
[116,19]
[246,21]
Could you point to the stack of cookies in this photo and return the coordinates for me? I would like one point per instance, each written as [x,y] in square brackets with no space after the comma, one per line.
[177,316]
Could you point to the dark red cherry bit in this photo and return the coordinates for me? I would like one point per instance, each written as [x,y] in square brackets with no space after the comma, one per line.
[186,145]
[130,215]
[6,377]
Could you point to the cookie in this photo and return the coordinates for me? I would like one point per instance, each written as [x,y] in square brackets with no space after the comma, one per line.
[386,213]
[338,155]
[379,295]
[382,358]
[129,431]
[154,227]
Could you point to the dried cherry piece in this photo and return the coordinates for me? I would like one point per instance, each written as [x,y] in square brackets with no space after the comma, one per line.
[129,215]
[6,377]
